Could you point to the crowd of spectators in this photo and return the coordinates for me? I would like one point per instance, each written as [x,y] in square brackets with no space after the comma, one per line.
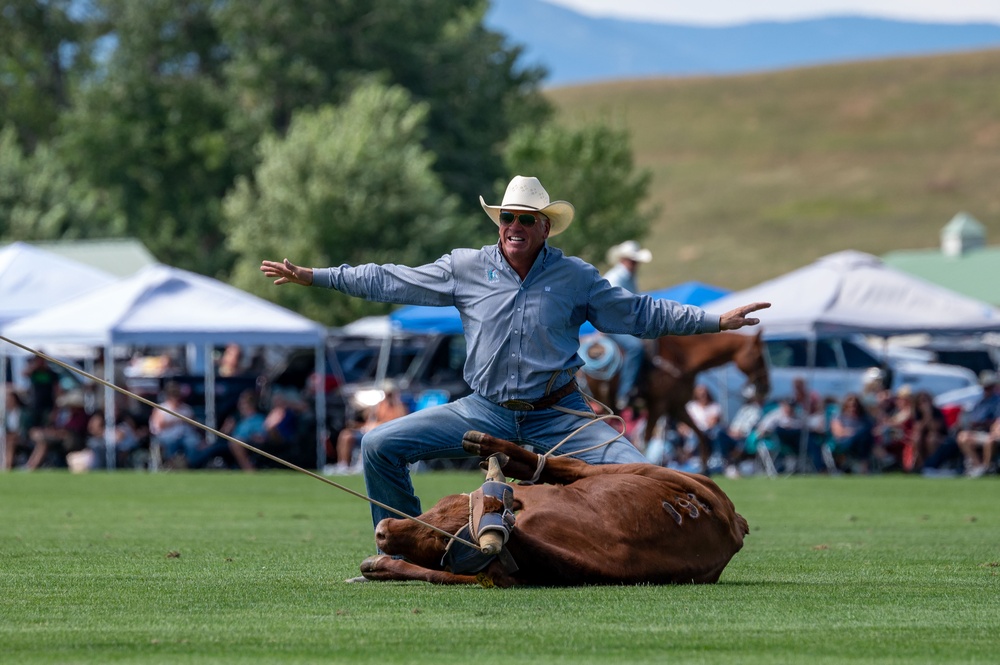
[61,424]
[874,430]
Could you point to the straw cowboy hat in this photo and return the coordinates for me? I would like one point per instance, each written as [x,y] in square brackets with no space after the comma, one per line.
[629,249]
[526,193]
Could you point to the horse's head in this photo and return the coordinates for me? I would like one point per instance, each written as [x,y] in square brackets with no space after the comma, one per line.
[752,361]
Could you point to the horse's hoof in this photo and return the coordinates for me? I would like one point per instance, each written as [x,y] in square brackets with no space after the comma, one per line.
[371,564]
[471,442]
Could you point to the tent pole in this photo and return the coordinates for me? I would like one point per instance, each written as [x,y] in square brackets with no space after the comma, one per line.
[320,394]
[383,360]
[110,417]
[806,416]
[3,410]
[209,392]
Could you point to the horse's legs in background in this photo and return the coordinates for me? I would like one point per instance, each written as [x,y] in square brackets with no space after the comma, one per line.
[602,390]
[704,445]
[655,411]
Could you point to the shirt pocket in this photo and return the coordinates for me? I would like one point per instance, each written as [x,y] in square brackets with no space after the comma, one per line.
[562,307]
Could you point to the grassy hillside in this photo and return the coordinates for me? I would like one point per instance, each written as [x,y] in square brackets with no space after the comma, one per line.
[758,175]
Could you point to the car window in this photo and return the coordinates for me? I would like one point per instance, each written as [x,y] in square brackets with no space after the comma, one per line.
[446,364]
[357,364]
[826,354]
[787,352]
[401,359]
[856,357]
[360,364]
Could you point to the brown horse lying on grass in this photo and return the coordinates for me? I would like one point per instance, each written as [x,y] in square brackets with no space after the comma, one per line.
[587,524]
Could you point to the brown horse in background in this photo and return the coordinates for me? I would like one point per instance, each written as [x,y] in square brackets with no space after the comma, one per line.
[666,381]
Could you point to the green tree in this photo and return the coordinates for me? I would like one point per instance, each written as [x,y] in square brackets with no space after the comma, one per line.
[592,168]
[182,90]
[347,184]
[39,200]
[42,50]
[153,126]
[287,56]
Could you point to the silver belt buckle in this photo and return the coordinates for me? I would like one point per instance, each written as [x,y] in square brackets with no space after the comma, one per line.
[517,405]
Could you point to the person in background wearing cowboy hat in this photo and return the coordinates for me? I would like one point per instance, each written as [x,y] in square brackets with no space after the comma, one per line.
[522,303]
[625,259]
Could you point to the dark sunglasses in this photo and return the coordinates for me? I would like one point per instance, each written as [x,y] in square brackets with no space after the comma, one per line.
[527,219]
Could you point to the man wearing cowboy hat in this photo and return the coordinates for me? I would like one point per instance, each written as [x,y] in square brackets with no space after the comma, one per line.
[625,259]
[522,303]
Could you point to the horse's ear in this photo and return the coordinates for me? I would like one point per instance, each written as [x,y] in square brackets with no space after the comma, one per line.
[757,336]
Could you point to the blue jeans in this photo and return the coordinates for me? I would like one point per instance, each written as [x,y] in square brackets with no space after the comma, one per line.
[632,352]
[436,433]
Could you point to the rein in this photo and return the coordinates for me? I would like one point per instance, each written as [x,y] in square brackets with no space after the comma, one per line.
[219,434]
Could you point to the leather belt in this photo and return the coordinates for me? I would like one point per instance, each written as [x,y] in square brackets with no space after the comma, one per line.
[541,403]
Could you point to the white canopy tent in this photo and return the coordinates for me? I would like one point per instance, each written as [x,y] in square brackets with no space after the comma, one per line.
[33,279]
[854,292]
[161,305]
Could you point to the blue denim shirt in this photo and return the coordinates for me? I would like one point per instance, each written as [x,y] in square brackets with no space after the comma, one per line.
[519,333]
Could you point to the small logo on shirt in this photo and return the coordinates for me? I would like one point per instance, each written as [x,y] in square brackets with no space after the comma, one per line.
[492,275]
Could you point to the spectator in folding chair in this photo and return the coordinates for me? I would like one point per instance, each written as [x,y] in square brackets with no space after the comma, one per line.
[930,430]
[979,431]
[390,408]
[781,430]
[852,435]
[173,440]
[813,415]
[706,414]
[280,432]
[977,449]
[894,442]
[741,428]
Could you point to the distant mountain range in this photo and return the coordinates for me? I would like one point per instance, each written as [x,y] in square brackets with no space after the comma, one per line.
[576,48]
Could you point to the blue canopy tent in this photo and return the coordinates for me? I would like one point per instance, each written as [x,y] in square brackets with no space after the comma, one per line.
[688,293]
[426,319]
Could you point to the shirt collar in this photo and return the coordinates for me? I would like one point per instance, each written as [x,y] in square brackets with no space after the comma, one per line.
[541,259]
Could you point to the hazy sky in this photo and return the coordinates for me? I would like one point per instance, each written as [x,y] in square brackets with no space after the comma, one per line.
[722,12]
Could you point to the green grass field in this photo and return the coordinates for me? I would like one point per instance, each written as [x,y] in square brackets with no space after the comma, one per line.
[757,175]
[222,567]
